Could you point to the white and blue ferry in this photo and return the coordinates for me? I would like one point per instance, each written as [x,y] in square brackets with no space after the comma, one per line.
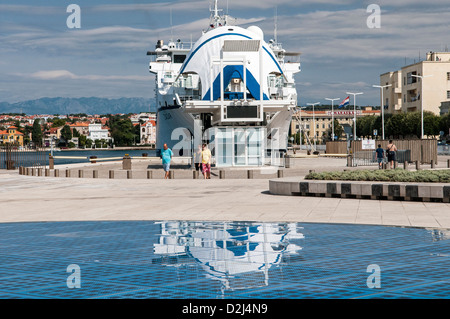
[230,89]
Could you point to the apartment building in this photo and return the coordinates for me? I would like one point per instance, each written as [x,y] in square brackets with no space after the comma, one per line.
[408,91]
[319,122]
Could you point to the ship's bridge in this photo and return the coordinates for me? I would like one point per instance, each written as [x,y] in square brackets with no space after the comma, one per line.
[238,75]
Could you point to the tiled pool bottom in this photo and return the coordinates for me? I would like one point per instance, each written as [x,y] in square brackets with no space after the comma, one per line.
[215,260]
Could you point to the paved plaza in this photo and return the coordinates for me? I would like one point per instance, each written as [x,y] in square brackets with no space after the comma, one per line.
[32,198]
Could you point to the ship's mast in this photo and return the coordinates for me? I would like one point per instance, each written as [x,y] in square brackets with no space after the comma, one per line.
[216,19]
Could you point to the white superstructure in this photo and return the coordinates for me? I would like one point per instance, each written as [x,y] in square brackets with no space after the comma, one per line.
[230,89]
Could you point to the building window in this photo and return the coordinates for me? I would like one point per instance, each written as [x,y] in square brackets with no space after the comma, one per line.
[448,95]
[448,76]
[411,79]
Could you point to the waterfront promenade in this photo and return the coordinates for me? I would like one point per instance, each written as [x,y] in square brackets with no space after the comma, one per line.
[32,198]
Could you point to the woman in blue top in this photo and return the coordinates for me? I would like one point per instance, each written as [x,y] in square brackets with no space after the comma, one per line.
[380,155]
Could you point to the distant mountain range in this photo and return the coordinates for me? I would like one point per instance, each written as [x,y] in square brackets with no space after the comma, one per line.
[87,105]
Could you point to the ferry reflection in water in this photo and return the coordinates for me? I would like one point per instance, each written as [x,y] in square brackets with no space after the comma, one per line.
[237,254]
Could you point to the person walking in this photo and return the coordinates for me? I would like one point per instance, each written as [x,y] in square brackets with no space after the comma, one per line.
[390,150]
[379,152]
[206,162]
[198,158]
[166,156]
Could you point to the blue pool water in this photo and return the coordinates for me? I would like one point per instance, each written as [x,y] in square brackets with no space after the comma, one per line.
[215,260]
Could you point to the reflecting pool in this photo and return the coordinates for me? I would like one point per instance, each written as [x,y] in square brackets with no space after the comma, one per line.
[221,260]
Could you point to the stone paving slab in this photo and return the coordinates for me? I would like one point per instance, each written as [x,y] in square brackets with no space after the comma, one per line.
[31,198]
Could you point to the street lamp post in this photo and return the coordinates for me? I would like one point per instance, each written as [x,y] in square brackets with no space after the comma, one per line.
[354,112]
[332,116]
[314,123]
[421,99]
[382,105]
[300,125]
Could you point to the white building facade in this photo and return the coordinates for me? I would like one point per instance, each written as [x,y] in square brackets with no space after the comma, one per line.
[97,132]
[148,132]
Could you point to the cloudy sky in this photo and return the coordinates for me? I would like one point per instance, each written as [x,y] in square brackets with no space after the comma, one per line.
[41,57]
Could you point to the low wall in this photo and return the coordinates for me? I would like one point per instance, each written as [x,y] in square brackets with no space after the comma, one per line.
[362,190]
[148,174]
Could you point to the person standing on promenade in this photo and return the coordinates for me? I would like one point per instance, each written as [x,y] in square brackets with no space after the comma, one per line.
[380,156]
[391,149]
[206,162]
[198,158]
[166,156]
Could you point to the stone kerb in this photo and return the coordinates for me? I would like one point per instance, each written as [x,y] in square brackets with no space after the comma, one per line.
[362,190]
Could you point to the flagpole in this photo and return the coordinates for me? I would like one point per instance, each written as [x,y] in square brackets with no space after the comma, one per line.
[332,116]
[354,113]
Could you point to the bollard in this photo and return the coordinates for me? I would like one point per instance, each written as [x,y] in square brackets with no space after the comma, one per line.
[195,174]
[349,160]
[171,175]
[280,173]
[432,164]
[94,174]
[405,165]
[129,174]
[51,162]
[56,172]
[39,171]
[111,174]
[20,170]
[249,174]
[47,172]
[32,171]
[149,174]
[222,174]
[287,161]
[93,157]
[80,173]
[126,162]
[67,173]
[417,165]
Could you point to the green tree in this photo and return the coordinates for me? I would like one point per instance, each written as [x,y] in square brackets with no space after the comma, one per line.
[75,133]
[444,124]
[36,133]
[66,134]
[122,131]
[413,124]
[58,122]
[395,126]
[431,123]
[82,141]
[89,143]
[338,131]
